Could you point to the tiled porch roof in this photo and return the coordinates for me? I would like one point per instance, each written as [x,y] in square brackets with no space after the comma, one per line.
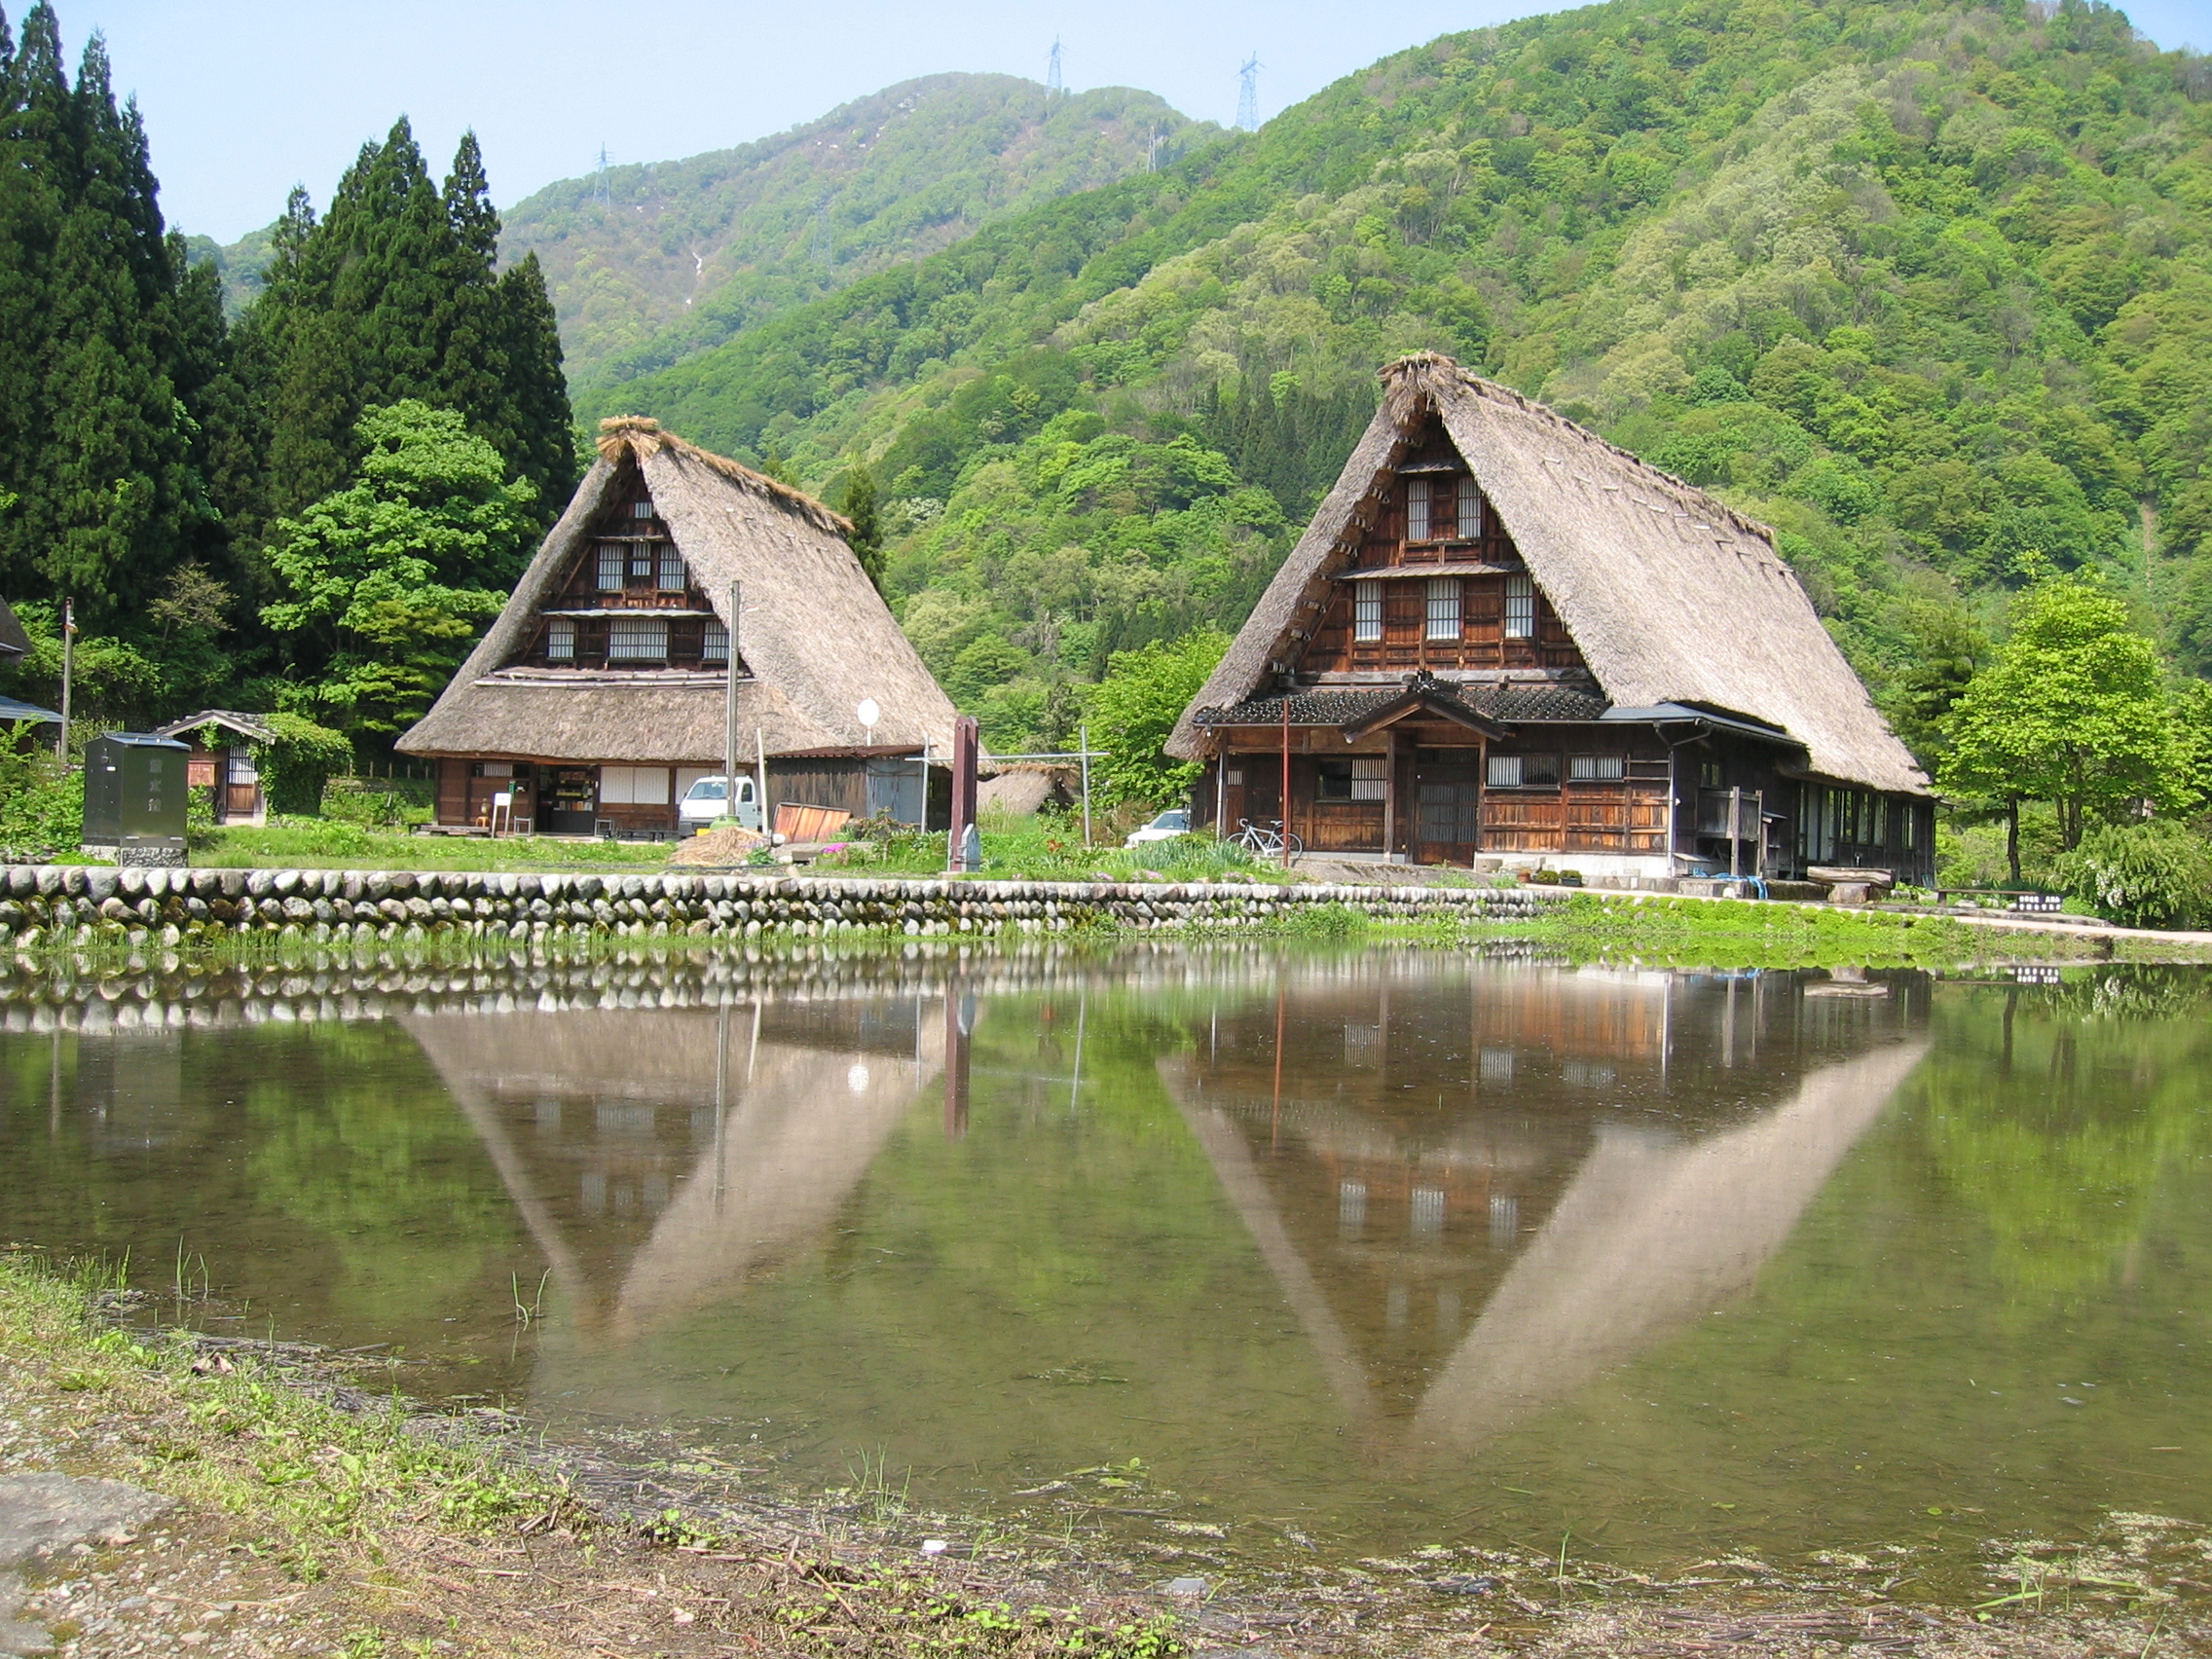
[1329,707]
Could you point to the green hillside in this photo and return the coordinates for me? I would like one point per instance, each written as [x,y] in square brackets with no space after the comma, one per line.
[649,263]
[1926,286]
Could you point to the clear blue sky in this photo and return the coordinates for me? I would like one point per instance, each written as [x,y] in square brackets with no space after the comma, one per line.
[244,98]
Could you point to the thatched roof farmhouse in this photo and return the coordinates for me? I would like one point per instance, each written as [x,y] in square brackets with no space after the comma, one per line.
[1503,638]
[598,696]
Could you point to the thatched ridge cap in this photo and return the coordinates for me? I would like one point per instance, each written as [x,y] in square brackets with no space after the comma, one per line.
[640,436]
[1424,380]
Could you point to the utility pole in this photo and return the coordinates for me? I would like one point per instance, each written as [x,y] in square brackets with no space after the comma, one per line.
[1248,94]
[68,672]
[729,705]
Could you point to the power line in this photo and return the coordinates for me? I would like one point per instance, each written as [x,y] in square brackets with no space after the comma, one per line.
[1248,95]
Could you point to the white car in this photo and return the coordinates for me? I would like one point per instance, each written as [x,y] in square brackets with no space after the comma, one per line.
[709,799]
[1174,821]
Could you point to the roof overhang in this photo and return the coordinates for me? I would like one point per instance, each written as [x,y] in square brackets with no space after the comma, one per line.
[12,713]
[1677,714]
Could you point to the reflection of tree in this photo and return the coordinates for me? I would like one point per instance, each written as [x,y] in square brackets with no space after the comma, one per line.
[2058,1115]
[354,1139]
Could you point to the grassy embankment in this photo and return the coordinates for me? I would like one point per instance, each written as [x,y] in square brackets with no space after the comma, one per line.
[386,1532]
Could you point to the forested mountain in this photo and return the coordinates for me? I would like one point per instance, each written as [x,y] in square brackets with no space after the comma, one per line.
[651,261]
[1928,287]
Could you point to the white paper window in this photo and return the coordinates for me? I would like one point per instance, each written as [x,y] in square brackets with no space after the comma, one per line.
[1505,772]
[1444,607]
[1369,774]
[632,785]
[1417,509]
[638,639]
[1367,612]
[713,644]
[1519,608]
[560,640]
[671,570]
[1597,768]
[641,509]
[611,561]
[1471,510]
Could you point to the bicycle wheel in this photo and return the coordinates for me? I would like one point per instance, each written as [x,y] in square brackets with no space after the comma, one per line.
[1296,845]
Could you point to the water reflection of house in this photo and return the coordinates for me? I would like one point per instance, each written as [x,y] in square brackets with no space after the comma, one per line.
[1516,1178]
[660,1158]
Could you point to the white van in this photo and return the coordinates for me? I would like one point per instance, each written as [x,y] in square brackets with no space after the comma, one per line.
[709,799]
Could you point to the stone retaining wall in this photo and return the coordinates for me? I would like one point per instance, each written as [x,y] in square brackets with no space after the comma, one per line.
[82,903]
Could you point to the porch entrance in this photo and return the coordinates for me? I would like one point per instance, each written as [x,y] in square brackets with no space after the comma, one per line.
[1448,795]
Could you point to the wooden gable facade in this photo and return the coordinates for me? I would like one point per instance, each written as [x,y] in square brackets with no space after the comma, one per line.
[1418,675]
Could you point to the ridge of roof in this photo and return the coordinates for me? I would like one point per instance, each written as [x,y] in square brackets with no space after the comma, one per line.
[640,436]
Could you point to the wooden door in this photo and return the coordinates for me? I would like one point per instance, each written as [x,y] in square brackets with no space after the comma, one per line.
[1448,794]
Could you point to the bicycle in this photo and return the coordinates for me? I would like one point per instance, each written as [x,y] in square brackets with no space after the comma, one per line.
[1265,840]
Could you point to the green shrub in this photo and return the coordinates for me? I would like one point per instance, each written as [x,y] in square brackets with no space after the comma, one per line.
[2155,873]
[42,808]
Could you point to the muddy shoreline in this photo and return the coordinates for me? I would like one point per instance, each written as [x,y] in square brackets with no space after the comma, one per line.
[712,1566]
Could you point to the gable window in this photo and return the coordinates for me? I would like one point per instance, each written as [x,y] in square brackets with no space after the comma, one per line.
[641,561]
[638,639]
[1444,607]
[560,640]
[671,570]
[713,644]
[1417,509]
[1469,526]
[1367,612]
[641,509]
[1523,772]
[610,561]
[1519,608]
[1597,768]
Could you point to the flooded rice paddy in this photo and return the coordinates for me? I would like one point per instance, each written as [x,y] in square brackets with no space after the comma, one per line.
[1230,1251]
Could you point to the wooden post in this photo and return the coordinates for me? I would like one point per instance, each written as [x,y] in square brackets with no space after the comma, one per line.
[1287,778]
[761,757]
[1390,794]
[965,731]
[956,1065]
[1736,831]
[1219,784]
[1083,743]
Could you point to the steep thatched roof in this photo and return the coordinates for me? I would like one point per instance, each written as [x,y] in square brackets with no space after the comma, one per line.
[14,642]
[1671,596]
[815,635]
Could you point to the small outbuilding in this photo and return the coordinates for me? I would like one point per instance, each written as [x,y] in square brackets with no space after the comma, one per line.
[599,697]
[1502,639]
[229,771]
